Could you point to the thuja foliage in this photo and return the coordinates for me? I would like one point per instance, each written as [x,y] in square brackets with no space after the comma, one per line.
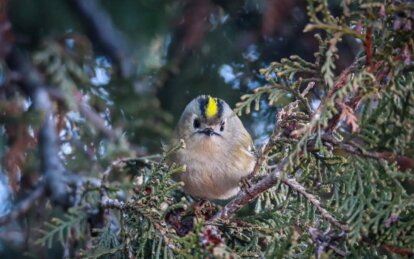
[348,140]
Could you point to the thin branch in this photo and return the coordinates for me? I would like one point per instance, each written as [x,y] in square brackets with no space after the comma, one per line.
[339,84]
[294,185]
[100,28]
[266,150]
[404,162]
[398,250]
[302,97]
[106,202]
[24,206]
[86,111]
[335,28]
[281,116]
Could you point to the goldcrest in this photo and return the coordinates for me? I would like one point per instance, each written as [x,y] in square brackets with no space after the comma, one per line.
[218,149]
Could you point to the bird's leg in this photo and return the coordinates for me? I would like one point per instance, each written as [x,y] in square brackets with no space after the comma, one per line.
[198,206]
[246,182]
[203,208]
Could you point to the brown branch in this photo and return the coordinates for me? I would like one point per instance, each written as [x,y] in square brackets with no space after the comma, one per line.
[398,250]
[404,162]
[266,150]
[342,81]
[368,47]
[24,206]
[390,248]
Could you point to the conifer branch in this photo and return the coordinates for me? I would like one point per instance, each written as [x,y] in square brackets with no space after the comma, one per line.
[246,196]
[404,162]
[294,185]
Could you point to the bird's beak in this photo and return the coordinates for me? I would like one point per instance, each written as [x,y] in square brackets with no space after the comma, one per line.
[209,132]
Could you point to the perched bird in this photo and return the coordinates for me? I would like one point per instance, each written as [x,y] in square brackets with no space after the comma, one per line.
[218,150]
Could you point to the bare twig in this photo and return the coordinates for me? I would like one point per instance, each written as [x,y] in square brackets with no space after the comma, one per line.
[24,206]
[100,28]
[294,185]
[339,84]
[266,150]
[302,97]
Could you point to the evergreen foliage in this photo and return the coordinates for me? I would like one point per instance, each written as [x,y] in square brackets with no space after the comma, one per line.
[341,157]
[349,152]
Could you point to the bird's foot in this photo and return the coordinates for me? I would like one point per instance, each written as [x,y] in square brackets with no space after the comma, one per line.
[245,184]
[203,209]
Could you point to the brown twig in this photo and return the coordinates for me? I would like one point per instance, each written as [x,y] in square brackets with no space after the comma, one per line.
[404,162]
[398,250]
[265,151]
[368,47]
[302,97]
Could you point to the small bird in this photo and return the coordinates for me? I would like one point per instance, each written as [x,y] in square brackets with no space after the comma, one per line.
[218,149]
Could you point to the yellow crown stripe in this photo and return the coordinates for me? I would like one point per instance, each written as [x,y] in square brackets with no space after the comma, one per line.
[212,107]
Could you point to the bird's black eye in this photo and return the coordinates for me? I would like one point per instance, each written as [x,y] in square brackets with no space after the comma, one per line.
[222,126]
[196,123]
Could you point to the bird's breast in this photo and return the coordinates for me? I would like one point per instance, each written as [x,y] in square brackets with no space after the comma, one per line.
[213,170]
